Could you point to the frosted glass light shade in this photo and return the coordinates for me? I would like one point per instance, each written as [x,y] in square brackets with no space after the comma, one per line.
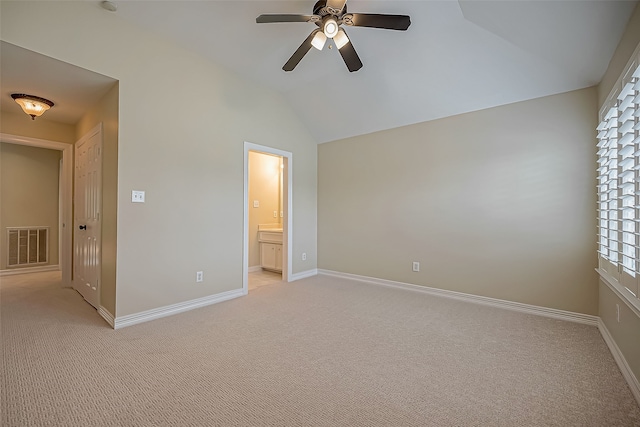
[341,39]
[32,105]
[319,40]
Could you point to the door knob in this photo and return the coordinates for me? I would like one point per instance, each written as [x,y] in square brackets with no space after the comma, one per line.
[83,227]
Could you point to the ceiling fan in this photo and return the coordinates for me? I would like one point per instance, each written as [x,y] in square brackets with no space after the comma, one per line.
[329,15]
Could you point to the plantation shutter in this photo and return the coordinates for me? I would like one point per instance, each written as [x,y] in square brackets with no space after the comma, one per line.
[619,184]
[608,190]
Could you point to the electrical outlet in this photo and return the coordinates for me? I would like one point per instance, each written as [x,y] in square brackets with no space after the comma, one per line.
[256,203]
[199,276]
[304,256]
[618,312]
[416,266]
[275,214]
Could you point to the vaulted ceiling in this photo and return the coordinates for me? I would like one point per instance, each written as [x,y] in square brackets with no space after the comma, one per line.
[456,57]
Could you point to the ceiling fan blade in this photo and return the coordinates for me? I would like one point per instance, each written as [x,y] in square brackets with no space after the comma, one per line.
[349,55]
[375,20]
[335,6]
[262,19]
[300,53]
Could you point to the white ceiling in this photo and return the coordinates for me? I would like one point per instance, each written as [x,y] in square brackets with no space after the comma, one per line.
[456,57]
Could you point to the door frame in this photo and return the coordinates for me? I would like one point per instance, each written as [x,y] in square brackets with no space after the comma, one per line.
[287,229]
[65,232]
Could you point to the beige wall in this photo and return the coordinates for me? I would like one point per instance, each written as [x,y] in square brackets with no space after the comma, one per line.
[626,332]
[185,151]
[264,186]
[21,124]
[498,203]
[29,193]
[628,43]
[106,112]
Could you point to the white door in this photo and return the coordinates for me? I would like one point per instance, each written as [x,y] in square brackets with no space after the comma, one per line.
[87,225]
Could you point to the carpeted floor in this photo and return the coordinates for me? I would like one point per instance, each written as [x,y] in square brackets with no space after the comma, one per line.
[317,352]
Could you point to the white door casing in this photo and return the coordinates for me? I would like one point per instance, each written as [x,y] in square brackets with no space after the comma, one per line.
[87,216]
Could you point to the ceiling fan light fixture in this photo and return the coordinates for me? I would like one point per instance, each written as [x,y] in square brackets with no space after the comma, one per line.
[32,105]
[319,40]
[330,27]
[341,39]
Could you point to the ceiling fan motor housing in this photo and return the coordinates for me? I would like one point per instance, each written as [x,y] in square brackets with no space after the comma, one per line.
[321,9]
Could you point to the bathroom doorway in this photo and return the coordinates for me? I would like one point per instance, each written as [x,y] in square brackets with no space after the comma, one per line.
[267,237]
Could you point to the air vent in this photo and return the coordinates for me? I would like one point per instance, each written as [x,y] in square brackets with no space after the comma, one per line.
[27,246]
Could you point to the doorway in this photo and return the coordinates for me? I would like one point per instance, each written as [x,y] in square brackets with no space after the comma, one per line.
[267,214]
[65,195]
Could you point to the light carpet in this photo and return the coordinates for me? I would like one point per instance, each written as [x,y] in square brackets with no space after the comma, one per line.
[318,352]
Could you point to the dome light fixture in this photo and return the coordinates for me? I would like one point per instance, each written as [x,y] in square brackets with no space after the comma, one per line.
[33,105]
[330,26]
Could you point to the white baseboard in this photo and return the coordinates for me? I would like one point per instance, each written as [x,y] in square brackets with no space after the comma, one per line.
[303,275]
[106,315]
[156,313]
[254,269]
[627,373]
[27,270]
[476,299]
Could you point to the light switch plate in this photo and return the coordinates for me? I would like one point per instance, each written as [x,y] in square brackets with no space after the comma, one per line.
[256,203]
[137,196]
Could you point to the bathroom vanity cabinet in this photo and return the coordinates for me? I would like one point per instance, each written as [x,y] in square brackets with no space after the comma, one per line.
[270,249]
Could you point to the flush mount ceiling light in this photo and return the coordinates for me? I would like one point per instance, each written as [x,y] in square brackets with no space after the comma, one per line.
[32,105]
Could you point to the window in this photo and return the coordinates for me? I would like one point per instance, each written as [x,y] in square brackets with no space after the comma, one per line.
[619,182]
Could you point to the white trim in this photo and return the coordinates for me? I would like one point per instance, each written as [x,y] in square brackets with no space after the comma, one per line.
[304,275]
[620,291]
[169,310]
[60,210]
[66,188]
[476,299]
[106,316]
[287,231]
[625,369]
[28,270]
[254,269]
